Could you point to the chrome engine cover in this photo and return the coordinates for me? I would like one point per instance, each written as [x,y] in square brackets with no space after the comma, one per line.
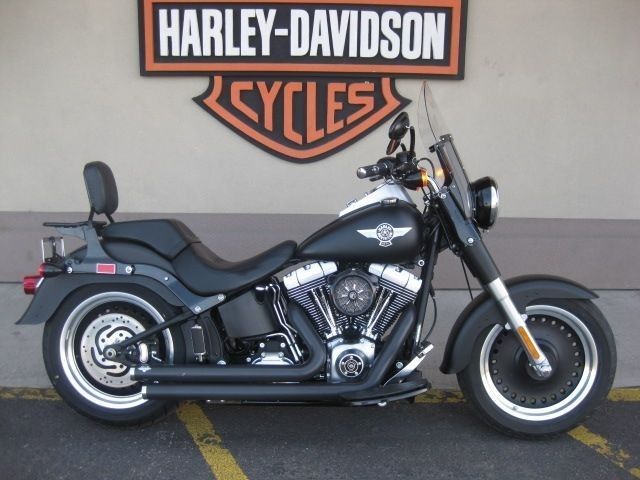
[348,361]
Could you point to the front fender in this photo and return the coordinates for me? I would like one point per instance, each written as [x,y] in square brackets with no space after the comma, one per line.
[483,312]
[53,291]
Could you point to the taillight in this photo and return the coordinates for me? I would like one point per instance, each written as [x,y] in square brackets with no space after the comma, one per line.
[31,283]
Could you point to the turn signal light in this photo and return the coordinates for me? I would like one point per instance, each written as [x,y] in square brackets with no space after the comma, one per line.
[419,179]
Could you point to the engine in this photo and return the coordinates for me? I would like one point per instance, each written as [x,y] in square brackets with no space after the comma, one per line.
[352,309]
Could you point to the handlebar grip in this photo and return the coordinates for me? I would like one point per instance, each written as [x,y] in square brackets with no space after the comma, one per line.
[367,171]
[372,170]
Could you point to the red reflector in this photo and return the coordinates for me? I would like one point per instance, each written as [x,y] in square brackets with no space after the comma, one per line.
[108,268]
[31,283]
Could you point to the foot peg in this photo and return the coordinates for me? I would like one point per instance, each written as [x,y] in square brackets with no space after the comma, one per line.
[197,337]
[409,368]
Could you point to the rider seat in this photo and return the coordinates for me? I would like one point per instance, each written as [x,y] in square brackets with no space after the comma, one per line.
[167,237]
[201,270]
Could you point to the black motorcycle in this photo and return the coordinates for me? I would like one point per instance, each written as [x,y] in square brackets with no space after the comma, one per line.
[145,314]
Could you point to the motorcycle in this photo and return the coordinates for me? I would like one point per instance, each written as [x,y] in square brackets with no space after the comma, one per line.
[144,314]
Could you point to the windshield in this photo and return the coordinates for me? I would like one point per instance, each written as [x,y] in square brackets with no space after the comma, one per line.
[437,138]
[430,121]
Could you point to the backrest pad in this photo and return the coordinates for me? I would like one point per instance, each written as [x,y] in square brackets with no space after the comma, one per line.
[101,188]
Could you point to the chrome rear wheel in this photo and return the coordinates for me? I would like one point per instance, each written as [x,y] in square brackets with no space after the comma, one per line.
[76,337]
[97,322]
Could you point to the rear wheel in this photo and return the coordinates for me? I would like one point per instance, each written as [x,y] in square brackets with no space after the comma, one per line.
[502,386]
[73,345]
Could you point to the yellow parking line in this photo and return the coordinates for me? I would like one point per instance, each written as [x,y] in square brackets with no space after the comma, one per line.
[219,459]
[440,396]
[9,393]
[624,395]
[601,445]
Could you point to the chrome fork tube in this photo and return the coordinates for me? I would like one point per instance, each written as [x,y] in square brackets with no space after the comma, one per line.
[537,358]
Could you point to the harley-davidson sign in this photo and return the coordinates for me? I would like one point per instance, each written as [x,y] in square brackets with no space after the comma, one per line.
[302,79]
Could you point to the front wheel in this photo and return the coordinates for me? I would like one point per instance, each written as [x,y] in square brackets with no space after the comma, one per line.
[502,386]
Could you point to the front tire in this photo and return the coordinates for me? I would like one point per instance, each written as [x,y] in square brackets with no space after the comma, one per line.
[502,387]
[73,342]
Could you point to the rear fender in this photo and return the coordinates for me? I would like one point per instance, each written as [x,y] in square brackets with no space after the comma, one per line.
[483,312]
[53,291]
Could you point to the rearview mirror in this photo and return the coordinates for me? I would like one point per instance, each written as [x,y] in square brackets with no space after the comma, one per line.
[397,130]
[399,127]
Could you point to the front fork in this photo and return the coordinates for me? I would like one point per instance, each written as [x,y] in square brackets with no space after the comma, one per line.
[481,264]
[479,260]
[537,358]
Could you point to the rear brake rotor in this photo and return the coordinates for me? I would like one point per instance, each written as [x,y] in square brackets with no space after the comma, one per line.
[105,330]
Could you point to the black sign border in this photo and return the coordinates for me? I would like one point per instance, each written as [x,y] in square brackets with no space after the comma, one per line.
[460,75]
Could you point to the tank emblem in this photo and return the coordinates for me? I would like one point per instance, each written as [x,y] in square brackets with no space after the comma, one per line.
[385,233]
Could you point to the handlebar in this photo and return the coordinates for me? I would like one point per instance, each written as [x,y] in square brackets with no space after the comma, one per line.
[402,168]
[380,168]
[387,166]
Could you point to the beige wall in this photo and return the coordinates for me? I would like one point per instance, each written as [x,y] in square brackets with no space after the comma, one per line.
[550,106]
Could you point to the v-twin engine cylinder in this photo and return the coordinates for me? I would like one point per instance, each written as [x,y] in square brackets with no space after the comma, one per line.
[352,309]
[353,302]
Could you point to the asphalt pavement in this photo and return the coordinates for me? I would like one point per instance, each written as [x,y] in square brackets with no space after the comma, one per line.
[438,437]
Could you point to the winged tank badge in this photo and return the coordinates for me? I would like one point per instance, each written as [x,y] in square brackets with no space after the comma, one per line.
[385,233]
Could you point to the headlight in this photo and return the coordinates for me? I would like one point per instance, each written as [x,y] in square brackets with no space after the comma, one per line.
[484,194]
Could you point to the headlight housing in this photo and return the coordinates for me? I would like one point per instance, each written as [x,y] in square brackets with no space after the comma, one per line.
[485,200]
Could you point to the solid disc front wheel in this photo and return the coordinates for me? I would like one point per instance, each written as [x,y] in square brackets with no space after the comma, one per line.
[501,384]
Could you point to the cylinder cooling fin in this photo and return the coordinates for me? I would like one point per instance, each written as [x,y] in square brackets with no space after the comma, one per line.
[310,273]
[308,284]
[352,300]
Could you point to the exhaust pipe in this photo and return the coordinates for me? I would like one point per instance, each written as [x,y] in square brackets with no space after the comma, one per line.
[296,392]
[246,373]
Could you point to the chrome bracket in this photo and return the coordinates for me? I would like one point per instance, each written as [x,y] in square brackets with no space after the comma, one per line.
[55,246]
[410,367]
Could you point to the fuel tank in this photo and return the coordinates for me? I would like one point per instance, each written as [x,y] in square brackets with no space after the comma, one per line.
[390,231]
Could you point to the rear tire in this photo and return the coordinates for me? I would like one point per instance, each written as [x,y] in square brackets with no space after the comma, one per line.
[502,387]
[74,338]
